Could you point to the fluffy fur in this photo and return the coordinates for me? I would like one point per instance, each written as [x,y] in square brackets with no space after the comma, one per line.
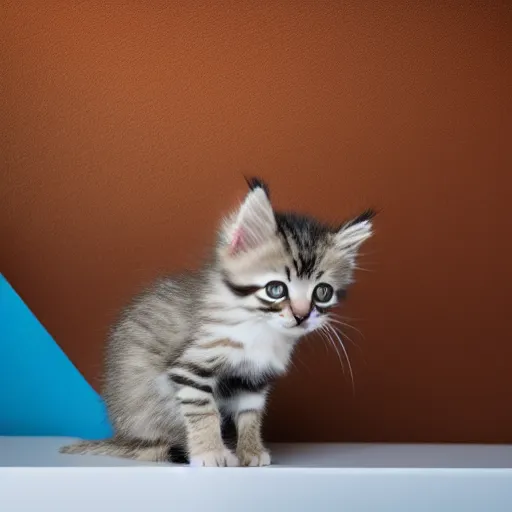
[201,348]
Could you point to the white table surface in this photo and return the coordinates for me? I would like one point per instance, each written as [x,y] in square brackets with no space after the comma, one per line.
[344,477]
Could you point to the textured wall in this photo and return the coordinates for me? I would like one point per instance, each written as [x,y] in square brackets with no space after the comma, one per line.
[126,128]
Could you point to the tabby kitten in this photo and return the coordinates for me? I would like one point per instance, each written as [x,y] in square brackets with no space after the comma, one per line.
[200,348]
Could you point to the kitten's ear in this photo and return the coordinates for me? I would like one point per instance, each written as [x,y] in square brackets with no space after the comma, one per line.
[353,233]
[254,223]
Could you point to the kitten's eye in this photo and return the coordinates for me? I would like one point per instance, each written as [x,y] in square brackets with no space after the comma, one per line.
[323,293]
[276,290]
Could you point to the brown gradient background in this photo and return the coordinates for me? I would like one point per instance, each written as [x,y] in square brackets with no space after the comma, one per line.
[126,129]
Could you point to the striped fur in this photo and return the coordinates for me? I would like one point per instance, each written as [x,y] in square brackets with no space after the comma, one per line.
[204,347]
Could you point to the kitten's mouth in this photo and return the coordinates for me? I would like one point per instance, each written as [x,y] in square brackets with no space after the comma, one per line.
[299,326]
[299,321]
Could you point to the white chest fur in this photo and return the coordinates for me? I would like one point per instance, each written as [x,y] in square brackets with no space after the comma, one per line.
[262,346]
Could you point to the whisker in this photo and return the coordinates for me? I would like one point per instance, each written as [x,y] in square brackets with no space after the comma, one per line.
[346,356]
[302,363]
[293,364]
[344,324]
[364,269]
[345,318]
[333,344]
[326,345]
[344,334]
[365,253]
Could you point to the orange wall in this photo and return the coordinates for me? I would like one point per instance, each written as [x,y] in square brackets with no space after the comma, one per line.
[127,127]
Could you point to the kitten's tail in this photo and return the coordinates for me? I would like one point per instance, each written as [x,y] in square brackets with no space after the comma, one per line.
[138,449]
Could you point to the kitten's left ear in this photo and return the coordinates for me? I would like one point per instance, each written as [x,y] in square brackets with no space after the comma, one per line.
[353,233]
[254,223]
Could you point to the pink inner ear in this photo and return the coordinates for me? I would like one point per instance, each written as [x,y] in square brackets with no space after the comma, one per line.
[237,241]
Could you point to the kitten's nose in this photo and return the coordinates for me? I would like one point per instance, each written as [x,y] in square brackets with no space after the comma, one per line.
[301,311]
[300,319]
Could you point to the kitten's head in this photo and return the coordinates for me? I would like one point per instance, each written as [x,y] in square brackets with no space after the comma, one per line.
[287,268]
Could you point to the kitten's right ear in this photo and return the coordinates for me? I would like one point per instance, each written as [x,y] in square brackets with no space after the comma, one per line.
[353,233]
[254,222]
[255,183]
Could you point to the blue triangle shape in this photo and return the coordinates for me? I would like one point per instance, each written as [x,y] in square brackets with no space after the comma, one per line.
[41,391]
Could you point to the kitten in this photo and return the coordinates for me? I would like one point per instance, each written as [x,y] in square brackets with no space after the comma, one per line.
[202,347]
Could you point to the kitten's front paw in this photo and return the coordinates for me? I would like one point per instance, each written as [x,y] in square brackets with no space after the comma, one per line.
[221,458]
[252,459]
